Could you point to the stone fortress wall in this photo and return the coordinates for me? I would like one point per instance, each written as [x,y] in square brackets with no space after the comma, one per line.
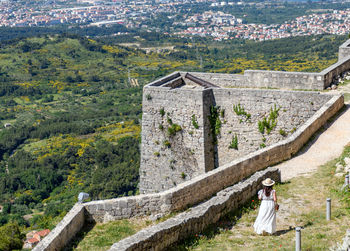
[186,100]
[205,185]
[168,160]
[295,108]
[191,192]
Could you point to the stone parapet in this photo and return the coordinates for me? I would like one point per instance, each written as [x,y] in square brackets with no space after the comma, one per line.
[127,207]
[221,79]
[65,230]
[284,80]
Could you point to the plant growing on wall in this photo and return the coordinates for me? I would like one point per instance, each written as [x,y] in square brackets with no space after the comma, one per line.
[222,113]
[162,112]
[293,130]
[169,120]
[215,122]
[261,127]
[234,142]
[167,143]
[173,128]
[194,122]
[239,110]
[270,122]
[283,132]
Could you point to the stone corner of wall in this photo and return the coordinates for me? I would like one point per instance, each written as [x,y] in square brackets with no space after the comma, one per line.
[346,44]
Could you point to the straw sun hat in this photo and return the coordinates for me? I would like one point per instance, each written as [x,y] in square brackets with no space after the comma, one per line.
[268,182]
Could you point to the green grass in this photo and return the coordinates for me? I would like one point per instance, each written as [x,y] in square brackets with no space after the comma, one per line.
[102,236]
[346,97]
[302,203]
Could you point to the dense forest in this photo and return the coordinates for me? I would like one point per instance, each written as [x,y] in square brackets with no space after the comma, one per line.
[70,110]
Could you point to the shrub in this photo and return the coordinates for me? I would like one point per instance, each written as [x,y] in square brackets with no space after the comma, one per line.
[10,237]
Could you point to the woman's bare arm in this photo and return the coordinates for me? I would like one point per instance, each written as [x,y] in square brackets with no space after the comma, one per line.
[274,197]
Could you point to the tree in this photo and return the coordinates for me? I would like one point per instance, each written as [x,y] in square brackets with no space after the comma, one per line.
[10,237]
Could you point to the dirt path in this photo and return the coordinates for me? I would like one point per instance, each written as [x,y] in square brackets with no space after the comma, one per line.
[326,146]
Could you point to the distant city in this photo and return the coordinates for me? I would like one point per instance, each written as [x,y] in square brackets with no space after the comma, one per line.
[224,26]
[138,15]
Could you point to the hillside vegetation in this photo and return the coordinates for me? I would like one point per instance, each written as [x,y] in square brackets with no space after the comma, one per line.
[72,107]
[74,123]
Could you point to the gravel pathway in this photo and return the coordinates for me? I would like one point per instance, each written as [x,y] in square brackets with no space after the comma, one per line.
[327,145]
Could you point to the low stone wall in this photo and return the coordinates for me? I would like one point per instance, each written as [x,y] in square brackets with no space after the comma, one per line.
[284,80]
[221,79]
[127,207]
[65,230]
[333,72]
[266,79]
[162,235]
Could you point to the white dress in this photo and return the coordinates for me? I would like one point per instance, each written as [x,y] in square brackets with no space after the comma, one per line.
[266,220]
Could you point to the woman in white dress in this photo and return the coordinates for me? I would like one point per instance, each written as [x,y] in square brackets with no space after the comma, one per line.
[265,223]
